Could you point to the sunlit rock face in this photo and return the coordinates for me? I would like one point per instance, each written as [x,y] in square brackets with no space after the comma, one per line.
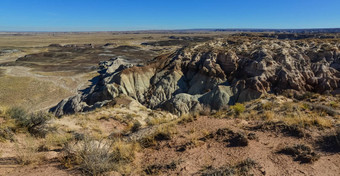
[215,74]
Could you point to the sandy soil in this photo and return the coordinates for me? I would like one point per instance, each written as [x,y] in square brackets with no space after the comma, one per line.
[214,153]
[203,154]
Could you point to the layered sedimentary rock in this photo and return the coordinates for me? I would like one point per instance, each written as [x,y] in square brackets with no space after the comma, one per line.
[216,74]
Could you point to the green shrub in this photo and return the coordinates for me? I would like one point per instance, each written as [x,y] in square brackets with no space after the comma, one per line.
[238,108]
[35,123]
[334,104]
[18,113]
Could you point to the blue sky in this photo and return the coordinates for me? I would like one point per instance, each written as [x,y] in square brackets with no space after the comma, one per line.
[110,15]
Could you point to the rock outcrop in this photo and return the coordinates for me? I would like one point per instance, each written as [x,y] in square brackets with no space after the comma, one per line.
[216,74]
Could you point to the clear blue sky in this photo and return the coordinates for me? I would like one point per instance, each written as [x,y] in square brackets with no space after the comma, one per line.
[103,15]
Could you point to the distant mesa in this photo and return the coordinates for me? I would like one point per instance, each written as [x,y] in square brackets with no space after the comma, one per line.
[55,45]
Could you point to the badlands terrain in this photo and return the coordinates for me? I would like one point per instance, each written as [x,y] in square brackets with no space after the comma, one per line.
[170,103]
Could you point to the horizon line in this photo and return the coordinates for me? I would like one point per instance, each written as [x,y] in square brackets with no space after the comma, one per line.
[165,30]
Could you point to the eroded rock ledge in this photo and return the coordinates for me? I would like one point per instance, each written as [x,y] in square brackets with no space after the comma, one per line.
[215,74]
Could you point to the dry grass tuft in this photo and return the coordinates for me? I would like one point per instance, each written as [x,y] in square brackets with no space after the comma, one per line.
[57,140]
[241,168]
[27,151]
[186,118]
[165,132]
[305,121]
[98,157]
[156,121]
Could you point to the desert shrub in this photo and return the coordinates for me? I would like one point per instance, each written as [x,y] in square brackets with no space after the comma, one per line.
[17,113]
[244,166]
[322,110]
[97,157]
[147,141]
[219,114]
[116,134]
[330,142]
[322,122]
[232,138]
[6,134]
[237,139]
[156,169]
[124,152]
[194,142]
[136,126]
[152,114]
[291,130]
[78,136]
[305,121]
[2,111]
[334,104]
[252,114]
[35,123]
[27,151]
[238,108]
[268,105]
[305,96]
[301,153]
[186,118]
[156,120]
[92,157]
[164,132]
[268,115]
[241,168]
[206,110]
[287,106]
[53,140]
[306,106]
[222,171]
[7,130]
[130,116]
